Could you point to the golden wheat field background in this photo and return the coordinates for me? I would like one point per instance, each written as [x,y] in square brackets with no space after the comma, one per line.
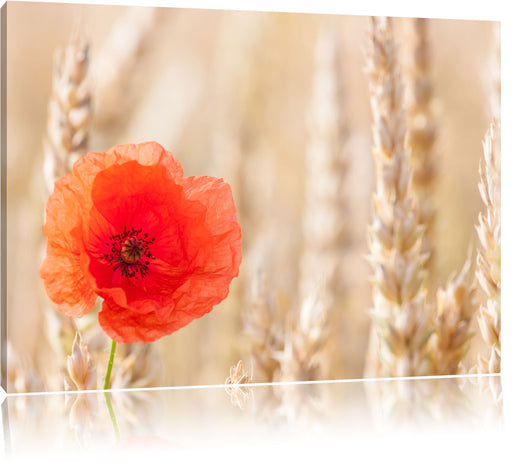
[235,95]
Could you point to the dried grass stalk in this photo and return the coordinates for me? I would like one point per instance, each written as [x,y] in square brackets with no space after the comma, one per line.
[455,308]
[264,328]
[402,318]
[422,129]
[69,111]
[489,256]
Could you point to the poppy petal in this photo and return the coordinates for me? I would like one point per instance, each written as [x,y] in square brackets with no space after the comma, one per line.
[221,221]
[126,326]
[61,270]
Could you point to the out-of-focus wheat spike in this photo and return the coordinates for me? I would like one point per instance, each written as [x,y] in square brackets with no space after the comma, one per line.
[21,375]
[422,128]
[402,317]
[80,368]
[324,223]
[496,73]
[302,356]
[489,256]
[264,328]
[456,305]
[114,61]
[69,111]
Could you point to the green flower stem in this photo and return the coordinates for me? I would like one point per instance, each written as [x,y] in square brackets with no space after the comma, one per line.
[105,387]
[110,364]
[111,413]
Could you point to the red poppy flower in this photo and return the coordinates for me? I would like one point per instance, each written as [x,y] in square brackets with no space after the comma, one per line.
[160,249]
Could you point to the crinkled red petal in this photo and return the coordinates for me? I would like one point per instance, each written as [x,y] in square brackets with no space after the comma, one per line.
[61,271]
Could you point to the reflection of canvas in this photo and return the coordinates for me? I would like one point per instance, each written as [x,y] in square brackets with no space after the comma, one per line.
[202,419]
[354,168]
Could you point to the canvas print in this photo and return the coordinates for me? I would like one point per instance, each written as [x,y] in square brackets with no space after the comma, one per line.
[199,197]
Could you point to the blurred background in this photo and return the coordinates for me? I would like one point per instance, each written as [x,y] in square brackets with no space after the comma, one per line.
[231,95]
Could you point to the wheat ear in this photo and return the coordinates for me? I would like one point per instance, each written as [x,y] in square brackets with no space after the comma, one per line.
[489,257]
[455,308]
[401,315]
[69,112]
[422,128]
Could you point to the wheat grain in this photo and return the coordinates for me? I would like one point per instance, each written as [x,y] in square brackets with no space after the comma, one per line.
[69,111]
[402,318]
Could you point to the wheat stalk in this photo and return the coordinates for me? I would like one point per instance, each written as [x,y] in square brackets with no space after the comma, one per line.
[69,111]
[456,305]
[489,256]
[401,316]
[421,129]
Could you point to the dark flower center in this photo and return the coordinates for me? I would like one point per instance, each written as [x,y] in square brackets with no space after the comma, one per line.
[129,252]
